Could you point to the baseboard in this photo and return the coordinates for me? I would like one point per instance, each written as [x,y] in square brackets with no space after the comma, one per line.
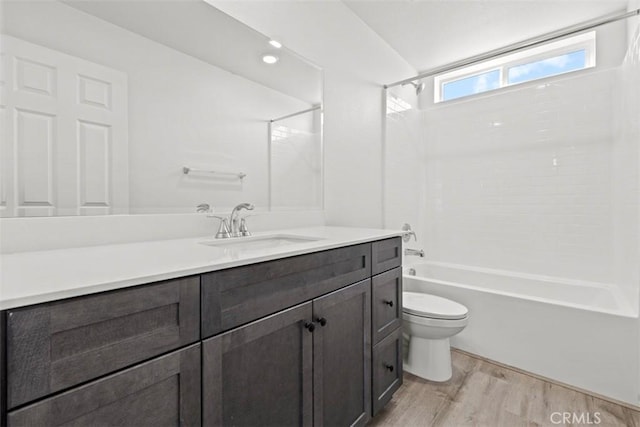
[549,380]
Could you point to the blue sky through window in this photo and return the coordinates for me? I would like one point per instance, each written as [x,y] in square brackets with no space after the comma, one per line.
[471,85]
[546,60]
[547,67]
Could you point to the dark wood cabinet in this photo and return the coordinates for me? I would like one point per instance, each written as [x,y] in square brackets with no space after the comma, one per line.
[342,357]
[386,303]
[386,261]
[261,374]
[386,255]
[387,369]
[264,365]
[307,340]
[240,295]
[3,369]
[161,392]
[54,346]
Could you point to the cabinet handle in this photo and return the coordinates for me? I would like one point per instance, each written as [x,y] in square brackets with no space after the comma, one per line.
[310,326]
[321,320]
[389,367]
[388,302]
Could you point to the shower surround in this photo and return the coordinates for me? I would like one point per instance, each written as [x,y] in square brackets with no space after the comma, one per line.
[537,180]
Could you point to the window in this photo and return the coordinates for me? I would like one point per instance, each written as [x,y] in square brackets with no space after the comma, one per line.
[551,59]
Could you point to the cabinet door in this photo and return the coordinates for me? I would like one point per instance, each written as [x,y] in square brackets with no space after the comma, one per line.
[162,392]
[260,374]
[342,357]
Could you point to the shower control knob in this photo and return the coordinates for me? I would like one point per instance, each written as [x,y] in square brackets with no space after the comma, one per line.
[389,367]
[389,303]
[310,326]
[322,321]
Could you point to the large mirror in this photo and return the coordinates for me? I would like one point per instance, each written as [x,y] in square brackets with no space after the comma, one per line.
[127,107]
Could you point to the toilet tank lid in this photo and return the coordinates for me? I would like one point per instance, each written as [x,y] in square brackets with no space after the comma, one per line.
[426,305]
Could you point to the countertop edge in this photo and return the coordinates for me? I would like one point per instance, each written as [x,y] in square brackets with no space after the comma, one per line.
[122,283]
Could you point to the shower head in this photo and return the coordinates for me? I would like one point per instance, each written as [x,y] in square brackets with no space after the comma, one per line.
[419,86]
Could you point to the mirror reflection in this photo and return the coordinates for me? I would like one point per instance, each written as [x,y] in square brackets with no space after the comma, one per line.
[126,107]
[295,150]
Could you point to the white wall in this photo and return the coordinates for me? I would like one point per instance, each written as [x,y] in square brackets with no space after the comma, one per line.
[356,63]
[182,111]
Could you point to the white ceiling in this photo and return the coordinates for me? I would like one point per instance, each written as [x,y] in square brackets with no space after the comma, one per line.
[202,31]
[431,33]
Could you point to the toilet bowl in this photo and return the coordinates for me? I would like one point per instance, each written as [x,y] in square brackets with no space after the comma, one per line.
[428,323]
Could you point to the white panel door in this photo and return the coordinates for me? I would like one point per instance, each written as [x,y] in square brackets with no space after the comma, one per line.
[64,148]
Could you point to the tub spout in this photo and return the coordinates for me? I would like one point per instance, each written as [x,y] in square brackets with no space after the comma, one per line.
[414,252]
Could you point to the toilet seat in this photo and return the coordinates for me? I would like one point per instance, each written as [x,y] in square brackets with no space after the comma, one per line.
[429,306]
[435,323]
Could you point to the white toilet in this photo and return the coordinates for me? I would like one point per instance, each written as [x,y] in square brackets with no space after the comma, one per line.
[428,323]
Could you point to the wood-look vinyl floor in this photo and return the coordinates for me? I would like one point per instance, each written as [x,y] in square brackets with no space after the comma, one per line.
[484,394]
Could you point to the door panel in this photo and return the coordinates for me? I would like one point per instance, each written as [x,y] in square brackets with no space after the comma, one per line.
[260,374]
[64,136]
[342,356]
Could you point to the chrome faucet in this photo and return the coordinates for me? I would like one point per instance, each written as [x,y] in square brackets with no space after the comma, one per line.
[414,252]
[407,232]
[233,226]
[238,227]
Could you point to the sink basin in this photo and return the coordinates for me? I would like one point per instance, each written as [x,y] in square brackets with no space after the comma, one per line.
[259,242]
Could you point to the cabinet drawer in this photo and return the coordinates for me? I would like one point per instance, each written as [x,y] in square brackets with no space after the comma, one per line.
[240,295]
[386,254]
[55,346]
[162,392]
[387,369]
[387,303]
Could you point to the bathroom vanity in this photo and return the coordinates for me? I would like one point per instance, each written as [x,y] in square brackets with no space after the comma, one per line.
[306,335]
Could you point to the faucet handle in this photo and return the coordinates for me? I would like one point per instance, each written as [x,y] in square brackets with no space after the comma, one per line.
[407,233]
[203,207]
[243,227]
[223,230]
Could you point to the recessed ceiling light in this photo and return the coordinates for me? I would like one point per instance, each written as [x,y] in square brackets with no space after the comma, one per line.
[270,59]
[275,43]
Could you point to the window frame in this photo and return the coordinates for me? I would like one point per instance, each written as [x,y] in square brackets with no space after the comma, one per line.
[585,41]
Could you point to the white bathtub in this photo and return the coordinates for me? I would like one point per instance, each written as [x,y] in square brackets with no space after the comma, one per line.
[581,334]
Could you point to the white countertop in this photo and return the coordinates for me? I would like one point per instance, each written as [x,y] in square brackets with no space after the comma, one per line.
[35,277]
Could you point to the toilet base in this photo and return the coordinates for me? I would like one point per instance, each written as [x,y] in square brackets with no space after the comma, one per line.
[429,359]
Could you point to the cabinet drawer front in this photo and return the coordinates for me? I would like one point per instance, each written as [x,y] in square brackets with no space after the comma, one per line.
[240,295]
[55,346]
[387,369]
[387,303]
[162,392]
[386,254]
